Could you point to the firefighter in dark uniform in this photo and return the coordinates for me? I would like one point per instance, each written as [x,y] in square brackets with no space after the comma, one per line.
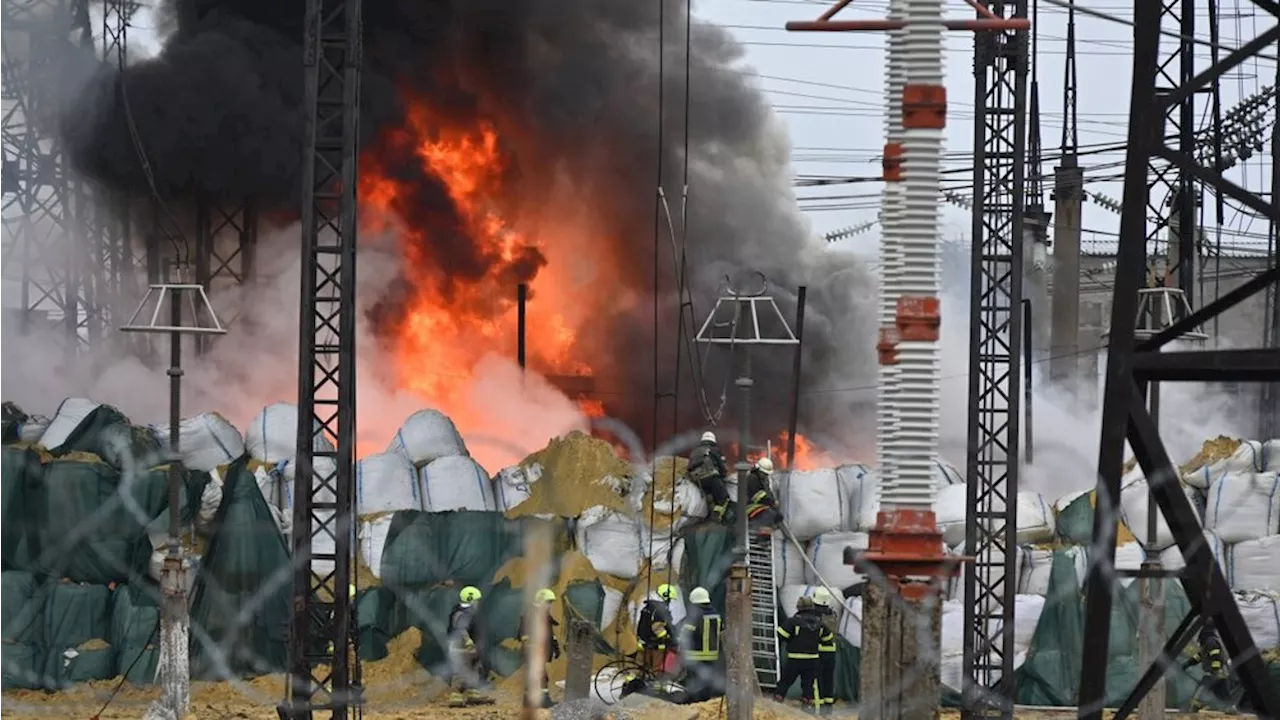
[466,651]
[542,601]
[821,608]
[654,629]
[762,507]
[700,634]
[804,634]
[1213,660]
[708,470]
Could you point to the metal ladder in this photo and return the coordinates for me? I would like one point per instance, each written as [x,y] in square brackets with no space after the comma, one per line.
[764,611]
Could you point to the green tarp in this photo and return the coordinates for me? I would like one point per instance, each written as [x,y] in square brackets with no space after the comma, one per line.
[22,606]
[74,614]
[428,610]
[22,667]
[88,435]
[240,605]
[707,558]
[127,446]
[1074,523]
[135,631]
[380,616]
[466,547]
[21,475]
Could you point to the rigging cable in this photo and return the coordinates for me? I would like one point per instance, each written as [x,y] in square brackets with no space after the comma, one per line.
[657,231]
[181,250]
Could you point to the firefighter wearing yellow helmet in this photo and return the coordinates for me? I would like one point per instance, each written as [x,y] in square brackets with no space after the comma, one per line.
[654,628]
[542,601]
[466,651]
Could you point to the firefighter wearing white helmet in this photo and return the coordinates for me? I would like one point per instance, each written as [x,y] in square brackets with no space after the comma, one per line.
[700,634]
[762,508]
[708,470]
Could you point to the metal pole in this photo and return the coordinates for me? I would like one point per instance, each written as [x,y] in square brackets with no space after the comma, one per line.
[1151,594]
[740,698]
[1026,365]
[175,671]
[522,299]
[794,420]
[743,467]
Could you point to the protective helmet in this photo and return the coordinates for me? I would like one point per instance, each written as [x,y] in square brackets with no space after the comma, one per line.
[668,592]
[804,602]
[700,596]
[821,596]
[708,436]
[351,591]
[469,594]
[765,465]
[544,597]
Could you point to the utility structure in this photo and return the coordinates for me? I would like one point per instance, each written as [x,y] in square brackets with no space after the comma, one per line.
[999,166]
[41,207]
[196,317]
[324,670]
[753,322]
[1068,201]
[1133,365]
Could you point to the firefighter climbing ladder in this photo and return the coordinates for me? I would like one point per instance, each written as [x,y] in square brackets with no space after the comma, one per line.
[764,612]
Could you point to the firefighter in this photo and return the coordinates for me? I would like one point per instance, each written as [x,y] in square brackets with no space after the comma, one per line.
[654,629]
[700,634]
[803,634]
[762,508]
[542,601]
[466,651]
[821,608]
[1213,660]
[708,470]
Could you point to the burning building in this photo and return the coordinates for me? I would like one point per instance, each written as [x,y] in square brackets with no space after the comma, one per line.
[509,143]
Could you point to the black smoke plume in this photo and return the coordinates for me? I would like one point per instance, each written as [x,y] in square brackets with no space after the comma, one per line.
[571,85]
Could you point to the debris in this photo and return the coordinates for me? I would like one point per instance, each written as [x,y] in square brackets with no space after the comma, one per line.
[578,472]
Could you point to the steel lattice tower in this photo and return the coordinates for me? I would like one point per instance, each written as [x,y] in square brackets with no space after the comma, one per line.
[1133,365]
[999,146]
[324,489]
[41,214]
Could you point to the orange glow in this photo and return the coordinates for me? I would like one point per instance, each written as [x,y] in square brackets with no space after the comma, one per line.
[464,269]
[808,456]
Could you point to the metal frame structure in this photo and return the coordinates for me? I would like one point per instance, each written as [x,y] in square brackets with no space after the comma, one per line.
[1132,365]
[324,492]
[231,261]
[1175,208]
[999,141]
[40,203]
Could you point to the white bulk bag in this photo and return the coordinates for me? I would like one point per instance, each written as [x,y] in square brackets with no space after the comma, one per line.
[1134,497]
[455,482]
[661,545]
[611,542]
[71,412]
[276,490]
[691,503]
[788,562]
[1035,519]
[851,621]
[373,540]
[512,485]
[1249,457]
[386,482]
[611,606]
[1255,565]
[1270,455]
[864,497]
[1172,559]
[426,436]
[1026,615]
[1037,565]
[1129,556]
[272,436]
[32,429]
[205,441]
[789,596]
[321,468]
[815,501]
[1261,613]
[826,552]
[1243,506]
[951,508]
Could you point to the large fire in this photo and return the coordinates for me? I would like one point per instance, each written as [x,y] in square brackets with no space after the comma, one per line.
[464,264]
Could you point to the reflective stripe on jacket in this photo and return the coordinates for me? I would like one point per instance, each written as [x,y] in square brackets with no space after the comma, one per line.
[701,633]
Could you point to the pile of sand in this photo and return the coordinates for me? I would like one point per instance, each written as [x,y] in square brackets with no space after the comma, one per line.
[91,645]
[1219,448]
[401,662]
[578,472]
[661,490]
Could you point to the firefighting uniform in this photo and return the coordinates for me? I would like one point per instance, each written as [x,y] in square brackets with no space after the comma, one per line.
[708,471]
[653,632]
[804,635]
[762,508]
[826,655]
[701,632]
[553,651]
[466,655]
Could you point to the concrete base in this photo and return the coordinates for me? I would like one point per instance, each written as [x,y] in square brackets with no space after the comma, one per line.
[579,647]
[1151,639]
[901,656]
[175,631]
[741,672]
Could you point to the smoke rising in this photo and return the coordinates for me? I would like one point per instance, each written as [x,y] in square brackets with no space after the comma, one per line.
[572,90]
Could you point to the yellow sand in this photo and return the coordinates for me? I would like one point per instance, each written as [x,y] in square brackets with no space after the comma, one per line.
[94,644]
[1123,534]
[1219,448]
[662,490]
[578,472]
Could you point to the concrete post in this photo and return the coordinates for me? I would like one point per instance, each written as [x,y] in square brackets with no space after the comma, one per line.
[1064,342]
[740,691]
[578,650]
[905,633]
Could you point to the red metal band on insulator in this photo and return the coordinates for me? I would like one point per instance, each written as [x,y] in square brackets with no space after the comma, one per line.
[892,162]
[919,318]
[907,544]
[887,346]
[924,107]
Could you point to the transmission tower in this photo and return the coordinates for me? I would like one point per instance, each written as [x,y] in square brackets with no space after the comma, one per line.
[323,662]
[1133,365]
[226,246]
[41,210]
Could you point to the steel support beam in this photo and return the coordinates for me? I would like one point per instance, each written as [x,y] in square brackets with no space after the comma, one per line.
[1125,419]
[323,662]
[1000,96]
[226,247]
